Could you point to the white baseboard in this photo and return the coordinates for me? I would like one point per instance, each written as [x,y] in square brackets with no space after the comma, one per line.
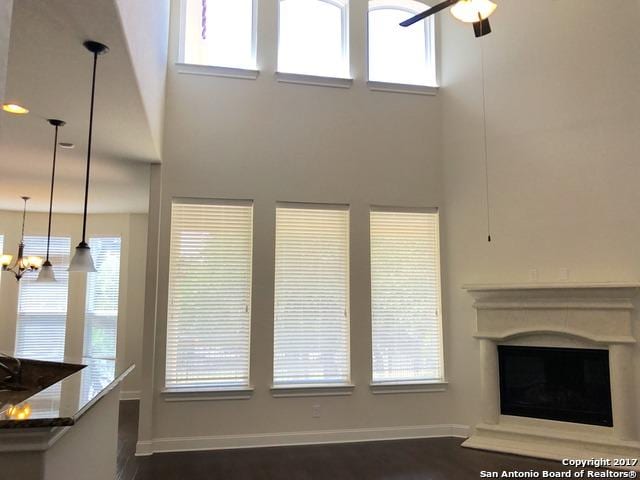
[130,395]
[221,442]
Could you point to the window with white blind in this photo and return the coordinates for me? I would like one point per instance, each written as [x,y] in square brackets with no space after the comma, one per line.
[209,312]
[405,296]
[219,33]
[311,338]
[101,308]
[103,293]
[42,307]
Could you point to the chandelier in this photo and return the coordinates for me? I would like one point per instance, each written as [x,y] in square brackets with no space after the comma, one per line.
[22,264]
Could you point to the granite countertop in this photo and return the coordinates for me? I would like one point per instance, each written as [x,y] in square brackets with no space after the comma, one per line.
[65,401]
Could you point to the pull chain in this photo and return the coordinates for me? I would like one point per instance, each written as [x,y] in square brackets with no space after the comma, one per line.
[204,19]
[486,155]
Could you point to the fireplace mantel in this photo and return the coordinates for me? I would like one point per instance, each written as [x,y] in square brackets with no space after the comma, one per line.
[595,315]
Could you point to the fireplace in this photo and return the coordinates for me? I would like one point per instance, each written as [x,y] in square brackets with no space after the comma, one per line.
[565,384]
[563,352]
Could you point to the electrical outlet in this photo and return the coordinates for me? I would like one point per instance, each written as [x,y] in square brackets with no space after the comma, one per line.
[315,411]
[533,275]
[563,274]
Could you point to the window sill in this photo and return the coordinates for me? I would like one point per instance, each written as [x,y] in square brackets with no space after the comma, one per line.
[206,393]
[402,88]
[215,71]
[335,82]
[408,387]
[329,390]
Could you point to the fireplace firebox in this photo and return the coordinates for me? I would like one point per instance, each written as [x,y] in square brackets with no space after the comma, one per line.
[565,384]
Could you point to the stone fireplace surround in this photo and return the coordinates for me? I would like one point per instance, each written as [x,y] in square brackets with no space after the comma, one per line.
[598,315]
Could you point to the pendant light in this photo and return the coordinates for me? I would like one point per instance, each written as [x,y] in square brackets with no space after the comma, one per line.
[82,261]
[46,274]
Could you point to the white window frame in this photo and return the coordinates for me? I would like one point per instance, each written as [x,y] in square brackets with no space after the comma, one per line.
[213,392]
[411,8]
[438,385]
[321,390]
[217,70]
[320,80]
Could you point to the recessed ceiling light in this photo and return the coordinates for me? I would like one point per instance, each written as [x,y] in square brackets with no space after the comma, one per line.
[14,108]
[66,145]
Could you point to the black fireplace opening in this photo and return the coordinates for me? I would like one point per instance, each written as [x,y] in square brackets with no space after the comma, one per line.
[566,384]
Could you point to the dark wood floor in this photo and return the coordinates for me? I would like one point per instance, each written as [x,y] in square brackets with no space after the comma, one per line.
[424,459]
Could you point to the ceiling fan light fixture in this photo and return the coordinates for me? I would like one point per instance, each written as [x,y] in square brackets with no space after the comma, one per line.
[472,11]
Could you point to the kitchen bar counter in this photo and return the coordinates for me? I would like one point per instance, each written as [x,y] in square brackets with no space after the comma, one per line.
[64,402]
[64,423]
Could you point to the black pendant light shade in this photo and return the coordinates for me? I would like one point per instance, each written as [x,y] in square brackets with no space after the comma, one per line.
[46,274]
[82,261]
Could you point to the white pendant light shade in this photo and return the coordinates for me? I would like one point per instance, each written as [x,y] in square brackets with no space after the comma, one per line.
[46,274]
[82,261]
[472,11]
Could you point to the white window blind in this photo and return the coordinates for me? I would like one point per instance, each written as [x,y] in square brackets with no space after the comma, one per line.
[101,312]
[103,292]
[311,338]
[405,296]
[209,315]
[42,307]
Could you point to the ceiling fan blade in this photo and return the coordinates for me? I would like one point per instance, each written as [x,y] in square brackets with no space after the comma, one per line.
[427,13]
[482,28]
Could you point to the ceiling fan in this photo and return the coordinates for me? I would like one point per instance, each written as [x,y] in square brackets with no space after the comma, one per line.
[476,12]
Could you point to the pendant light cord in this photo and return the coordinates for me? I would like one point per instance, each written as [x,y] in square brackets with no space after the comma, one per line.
[24,217]
[484,132]
[86,186]
[53,177]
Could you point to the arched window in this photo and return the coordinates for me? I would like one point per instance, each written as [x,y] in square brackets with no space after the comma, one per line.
[313,37]
[398,54]
[219,33]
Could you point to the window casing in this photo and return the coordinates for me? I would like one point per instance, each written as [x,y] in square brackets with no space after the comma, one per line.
[42,307]
[405,296]
[311,337]
[209,311]
[313,38]
[229,31]
[400,55]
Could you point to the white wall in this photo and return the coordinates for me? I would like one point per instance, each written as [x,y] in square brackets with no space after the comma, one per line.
[6,9]
[563,113]
[146,28]
[269,141]
[132,229]
[562,105]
